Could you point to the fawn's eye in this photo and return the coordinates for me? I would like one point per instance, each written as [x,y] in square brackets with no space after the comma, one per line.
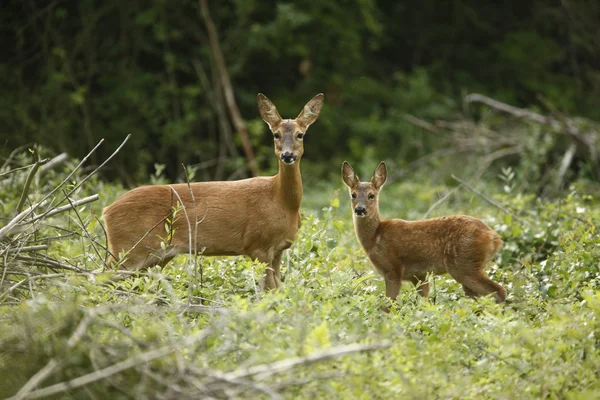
[300,136]
[371,196]
[354,195]
[277,136]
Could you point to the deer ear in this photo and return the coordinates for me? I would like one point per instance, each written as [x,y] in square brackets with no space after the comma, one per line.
[348,175]
[268,112]
[380,175]
[310,112]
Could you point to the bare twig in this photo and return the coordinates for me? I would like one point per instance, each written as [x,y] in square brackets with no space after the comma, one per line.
[26,249]
[114,153]
[440,201]
[30,278]
[588,140]
[264,370]
[565,163]
[428,126]
[84,229]
[114,369]
[38,163]
[50,263]
[59,159]
[487,199]
[36,379]
[64,208]
[5,231]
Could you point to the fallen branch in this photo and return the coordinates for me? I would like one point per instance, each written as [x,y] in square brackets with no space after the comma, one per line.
[568,126]
[486,198]
[113,369]
[38,163]
[264,370]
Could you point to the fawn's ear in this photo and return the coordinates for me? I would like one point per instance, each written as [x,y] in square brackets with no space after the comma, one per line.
[348,176]
[268,112]
[380,176]
[310,112]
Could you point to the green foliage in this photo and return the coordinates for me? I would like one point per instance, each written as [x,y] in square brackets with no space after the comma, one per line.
[541,344]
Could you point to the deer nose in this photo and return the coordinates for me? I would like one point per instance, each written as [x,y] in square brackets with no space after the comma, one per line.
[360,211]
[288,157]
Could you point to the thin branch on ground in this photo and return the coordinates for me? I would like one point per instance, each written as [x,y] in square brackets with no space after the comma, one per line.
[487,199]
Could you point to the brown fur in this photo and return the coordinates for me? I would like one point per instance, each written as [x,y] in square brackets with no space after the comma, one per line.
[408,250]
[256,217]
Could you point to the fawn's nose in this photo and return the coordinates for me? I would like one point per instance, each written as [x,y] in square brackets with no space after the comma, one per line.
[288,157]
[360,211]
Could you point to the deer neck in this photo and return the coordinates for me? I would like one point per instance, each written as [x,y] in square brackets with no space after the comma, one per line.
[366,229]
[288,184]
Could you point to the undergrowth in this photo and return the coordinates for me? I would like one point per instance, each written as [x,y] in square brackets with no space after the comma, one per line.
[203,328]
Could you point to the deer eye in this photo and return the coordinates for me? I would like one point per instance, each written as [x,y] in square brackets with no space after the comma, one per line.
[354,195]
[300,136]
[277,136]
[371,196]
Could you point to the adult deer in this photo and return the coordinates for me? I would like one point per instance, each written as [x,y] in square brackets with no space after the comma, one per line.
[256,217]
[408,250]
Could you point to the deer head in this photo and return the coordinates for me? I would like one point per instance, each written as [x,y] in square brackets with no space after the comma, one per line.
[288,134]
[365,195]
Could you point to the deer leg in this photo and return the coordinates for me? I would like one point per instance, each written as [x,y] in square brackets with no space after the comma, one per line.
[393,281]
[267,258]
[469,292]
[421,284]
[276,265]
[478,284]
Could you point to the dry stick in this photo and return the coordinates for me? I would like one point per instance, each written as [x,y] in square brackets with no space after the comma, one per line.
[38,163]
[50,263]
[264,370]
[498,105]
[99,166]
[12,154]
[84,229]
[246,383]
[26,249]
[64,208]
[106,248]
[440,201]
[486,198]
[36,379]
[29,278]
[565,163]
[12,171]
[428,126]
[72,172]
[49,368]
[572,130]
[6,229]
[234,111]
[59,159]
[113,369]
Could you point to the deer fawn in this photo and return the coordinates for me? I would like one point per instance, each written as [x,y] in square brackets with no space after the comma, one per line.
[407,250]
[256,217]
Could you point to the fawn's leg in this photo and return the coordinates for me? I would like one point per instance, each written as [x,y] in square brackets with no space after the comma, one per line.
[480,285]
[469,292]
[263,256]
[276,265]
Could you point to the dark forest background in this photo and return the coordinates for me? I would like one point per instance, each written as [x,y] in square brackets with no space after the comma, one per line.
[73,72]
